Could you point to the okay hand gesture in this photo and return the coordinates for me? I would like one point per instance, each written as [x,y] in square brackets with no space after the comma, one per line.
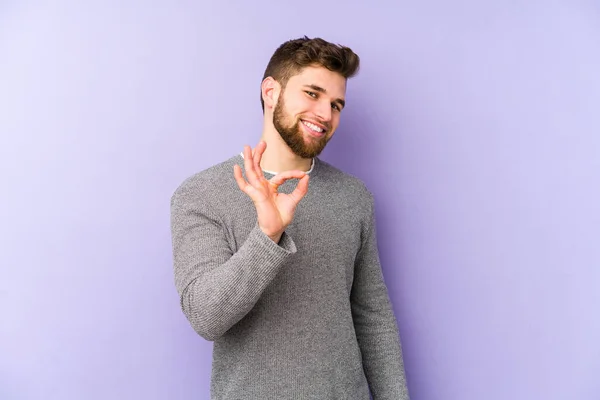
[275,210]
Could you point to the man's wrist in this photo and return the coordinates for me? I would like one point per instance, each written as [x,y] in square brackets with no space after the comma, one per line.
[276,238]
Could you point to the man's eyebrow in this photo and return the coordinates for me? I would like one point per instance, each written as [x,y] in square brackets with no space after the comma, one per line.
[319,89]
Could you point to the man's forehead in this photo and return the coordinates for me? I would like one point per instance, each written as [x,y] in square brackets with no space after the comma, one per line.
[331,82]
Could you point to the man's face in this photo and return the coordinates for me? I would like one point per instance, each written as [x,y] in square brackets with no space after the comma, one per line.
[307,112]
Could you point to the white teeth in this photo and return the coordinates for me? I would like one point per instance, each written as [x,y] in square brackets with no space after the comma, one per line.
[313,127]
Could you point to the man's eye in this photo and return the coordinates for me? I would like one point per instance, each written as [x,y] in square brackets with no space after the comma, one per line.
[312,94]
[335,107]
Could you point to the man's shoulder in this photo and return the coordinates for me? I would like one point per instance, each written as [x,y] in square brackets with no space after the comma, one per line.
[206,180]
[351,185]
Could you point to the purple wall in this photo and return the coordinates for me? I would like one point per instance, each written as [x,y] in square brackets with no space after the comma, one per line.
[476,126]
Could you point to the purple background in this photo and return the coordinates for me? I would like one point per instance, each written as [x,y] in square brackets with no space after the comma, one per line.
[477,126]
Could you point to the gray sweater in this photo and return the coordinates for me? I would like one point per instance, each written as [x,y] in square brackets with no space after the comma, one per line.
[306,318]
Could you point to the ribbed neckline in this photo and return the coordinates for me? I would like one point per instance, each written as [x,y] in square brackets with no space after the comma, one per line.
[311,171]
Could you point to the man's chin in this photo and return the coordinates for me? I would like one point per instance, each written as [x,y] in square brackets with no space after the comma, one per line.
[312,152]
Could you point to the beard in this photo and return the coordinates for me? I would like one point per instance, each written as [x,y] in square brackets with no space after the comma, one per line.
[293,135]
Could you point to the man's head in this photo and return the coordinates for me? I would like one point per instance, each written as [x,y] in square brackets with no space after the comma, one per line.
[303,91]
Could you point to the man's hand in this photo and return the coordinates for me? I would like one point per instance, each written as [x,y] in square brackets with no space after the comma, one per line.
[275,210]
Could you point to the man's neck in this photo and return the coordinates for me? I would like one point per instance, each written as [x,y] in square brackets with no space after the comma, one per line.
[278,157]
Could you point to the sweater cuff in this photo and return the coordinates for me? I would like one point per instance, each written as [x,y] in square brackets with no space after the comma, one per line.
[275,252]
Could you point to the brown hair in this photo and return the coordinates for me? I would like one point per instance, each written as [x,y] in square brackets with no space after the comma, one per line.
[292,56]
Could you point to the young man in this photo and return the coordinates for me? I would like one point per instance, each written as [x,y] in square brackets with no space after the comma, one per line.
[283,275]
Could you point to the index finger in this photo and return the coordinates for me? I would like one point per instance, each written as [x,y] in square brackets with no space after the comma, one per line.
[280,178]
[301,189]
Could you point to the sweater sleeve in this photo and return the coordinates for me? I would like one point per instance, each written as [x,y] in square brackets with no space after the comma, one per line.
[218,287]
[375,323]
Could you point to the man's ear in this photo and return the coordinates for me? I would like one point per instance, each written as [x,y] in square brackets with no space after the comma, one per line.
[270,92]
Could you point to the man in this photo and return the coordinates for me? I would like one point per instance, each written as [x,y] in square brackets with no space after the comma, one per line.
[284,276]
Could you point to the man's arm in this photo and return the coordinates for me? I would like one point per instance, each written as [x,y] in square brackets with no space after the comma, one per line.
[375,323]
[217,288]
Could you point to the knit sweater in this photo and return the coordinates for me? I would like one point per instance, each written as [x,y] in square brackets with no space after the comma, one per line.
[306,318]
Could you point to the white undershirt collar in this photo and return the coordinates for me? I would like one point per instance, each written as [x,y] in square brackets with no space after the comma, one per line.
[312,165]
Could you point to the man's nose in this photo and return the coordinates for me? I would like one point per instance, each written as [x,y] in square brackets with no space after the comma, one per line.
[323,111]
